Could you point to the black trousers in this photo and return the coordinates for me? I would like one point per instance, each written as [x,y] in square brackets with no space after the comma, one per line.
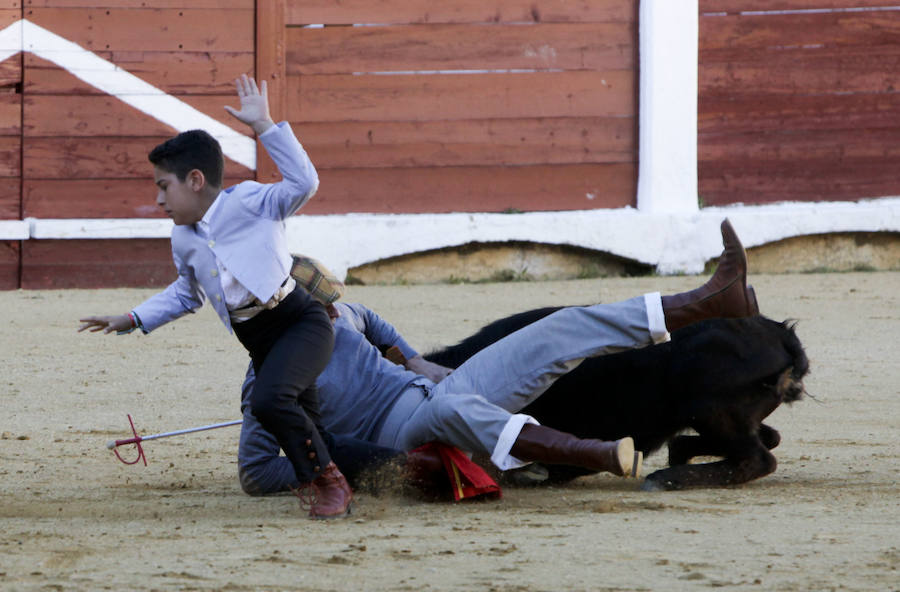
[290,345]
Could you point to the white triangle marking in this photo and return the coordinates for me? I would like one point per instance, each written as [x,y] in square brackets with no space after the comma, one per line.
[106,76]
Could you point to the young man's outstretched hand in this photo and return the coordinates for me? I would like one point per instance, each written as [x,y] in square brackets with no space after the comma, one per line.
[117,323]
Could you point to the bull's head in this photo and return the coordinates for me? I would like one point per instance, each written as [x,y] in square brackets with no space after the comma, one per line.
[789,385]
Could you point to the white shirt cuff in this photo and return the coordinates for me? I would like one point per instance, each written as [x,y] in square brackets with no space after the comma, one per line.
[656,318]
[508,436]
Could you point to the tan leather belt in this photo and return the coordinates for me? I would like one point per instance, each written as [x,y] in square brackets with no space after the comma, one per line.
[248,312]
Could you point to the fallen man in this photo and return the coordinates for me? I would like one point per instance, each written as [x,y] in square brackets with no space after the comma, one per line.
[476,407]
[719,377]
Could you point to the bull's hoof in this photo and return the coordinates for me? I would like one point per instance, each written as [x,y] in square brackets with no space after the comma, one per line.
[649,485]
[527,476]
[656,481]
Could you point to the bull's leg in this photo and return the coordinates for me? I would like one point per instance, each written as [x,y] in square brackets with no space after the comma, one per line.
[769,436]
[683,448]
[747,460]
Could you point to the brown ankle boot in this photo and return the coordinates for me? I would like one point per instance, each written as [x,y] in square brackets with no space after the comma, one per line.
[726,294]
[543,444]
[328,496]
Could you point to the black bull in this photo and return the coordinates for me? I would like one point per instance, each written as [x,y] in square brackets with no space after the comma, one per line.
[720,377]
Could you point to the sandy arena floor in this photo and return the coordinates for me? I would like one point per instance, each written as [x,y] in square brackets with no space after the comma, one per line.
[73,518]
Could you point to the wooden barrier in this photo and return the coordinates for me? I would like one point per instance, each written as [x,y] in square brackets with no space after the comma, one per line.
[473,106]
[84,152]
[10,150]
[799,104]
[423,107]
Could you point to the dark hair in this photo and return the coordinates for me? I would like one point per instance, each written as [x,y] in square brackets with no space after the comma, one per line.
[193,149]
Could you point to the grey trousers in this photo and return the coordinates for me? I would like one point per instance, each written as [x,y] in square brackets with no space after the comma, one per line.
[475,407]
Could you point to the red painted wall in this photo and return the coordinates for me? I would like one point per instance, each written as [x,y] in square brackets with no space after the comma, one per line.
[799,104]
[470,105]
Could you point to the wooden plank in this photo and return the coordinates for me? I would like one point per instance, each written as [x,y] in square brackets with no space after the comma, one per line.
[10,156]
[756,113]
[9,265]
[10,198]
[10,114]
[105,115]
[90,263]
[96,158]
[176,73]
[11,73]
[158,29]
[475,189]
[798,106]
[271,68]
[467,96]
[9,13]
[93,198]
[778,31]
[798,165]
[724,183]
[491,142]
[716,7]
[224,4]
[800,146]
[830,71]
[571,46]
[304,12]
[542,187]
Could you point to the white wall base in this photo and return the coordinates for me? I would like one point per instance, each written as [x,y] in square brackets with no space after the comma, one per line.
[672,242]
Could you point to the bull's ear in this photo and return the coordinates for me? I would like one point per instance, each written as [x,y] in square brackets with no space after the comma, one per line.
[792,344]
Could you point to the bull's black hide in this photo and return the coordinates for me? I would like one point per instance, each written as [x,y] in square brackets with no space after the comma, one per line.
[720,377]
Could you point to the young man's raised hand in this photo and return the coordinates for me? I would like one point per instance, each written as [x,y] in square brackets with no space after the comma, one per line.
[254,109]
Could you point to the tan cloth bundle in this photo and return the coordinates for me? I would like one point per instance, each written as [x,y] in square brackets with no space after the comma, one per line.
[317,279]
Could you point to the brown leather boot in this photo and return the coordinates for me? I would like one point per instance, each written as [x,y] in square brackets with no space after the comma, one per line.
[726,294]
[328,496]
[543,444]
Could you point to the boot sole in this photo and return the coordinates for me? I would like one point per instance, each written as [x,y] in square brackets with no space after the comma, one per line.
[346,513]
[630,460]
[752,304]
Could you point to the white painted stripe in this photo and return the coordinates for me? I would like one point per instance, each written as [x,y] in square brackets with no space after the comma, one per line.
[24,35]
[673,242]
[11,40]
[667,170]
[820,10]
[81,228]
[14,230]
